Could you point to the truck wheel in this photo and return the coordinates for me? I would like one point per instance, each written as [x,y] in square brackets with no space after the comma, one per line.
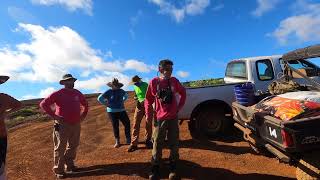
[208,122]
[308,167]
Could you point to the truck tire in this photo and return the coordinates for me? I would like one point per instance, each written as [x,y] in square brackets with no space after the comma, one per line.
[209,122]
[308,167]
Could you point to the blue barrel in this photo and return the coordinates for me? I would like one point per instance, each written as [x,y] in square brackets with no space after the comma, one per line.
[244,94]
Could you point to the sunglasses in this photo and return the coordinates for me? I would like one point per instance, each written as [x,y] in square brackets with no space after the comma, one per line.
[167,68]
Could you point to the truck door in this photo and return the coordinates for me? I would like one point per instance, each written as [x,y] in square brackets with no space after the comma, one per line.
[264,74]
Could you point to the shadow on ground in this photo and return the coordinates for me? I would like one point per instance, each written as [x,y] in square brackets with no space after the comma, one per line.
[186,169]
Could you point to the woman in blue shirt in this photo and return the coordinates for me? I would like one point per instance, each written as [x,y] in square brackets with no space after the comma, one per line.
[114,99]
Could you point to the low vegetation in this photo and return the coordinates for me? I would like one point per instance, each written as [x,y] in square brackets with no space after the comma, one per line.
[205,82]
[26,114]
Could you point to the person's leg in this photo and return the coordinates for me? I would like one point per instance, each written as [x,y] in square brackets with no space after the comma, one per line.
[138,115]
[124,118]
[60,137]
[158,137]
[115,125]
[3,153]
[73,143]
[148,129]
[173,140]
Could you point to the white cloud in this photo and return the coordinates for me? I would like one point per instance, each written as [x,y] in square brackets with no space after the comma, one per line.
[21,15]
[133,22]
[218,7]
[191,7]
[139,66]
[43,94]
[183,74]
[98,83]
[52,52]
[46,92]
[72,5]
[304,26]
[264,6]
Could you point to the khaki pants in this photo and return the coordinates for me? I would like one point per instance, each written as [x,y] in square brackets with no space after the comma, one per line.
[139,113]
[66,139]
[163,128]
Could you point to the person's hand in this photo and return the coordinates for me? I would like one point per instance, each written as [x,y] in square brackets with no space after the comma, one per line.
[82,118]
[58,118]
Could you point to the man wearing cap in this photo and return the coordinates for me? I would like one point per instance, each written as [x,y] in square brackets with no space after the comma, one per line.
[140,89]
[8,104]
[71,108]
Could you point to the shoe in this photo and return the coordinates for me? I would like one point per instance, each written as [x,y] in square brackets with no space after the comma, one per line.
[71,169]
[155,173]
[149,144]
[173,170]
[117,144]
[132,148]
[60,175]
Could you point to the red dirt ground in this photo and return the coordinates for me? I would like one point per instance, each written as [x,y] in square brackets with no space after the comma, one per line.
[31,154]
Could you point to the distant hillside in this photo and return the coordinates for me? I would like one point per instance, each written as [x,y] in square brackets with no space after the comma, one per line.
[205,82]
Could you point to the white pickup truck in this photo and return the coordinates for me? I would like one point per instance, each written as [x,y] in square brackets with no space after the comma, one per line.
[208,108]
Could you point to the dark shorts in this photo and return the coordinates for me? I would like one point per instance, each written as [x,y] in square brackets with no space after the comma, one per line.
[3,153]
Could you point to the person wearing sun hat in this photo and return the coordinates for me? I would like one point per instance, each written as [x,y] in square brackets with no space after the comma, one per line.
[71,109]
[8,104]
[140,89]
[113,99]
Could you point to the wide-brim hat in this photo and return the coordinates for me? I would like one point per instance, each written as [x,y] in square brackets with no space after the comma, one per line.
[115,83]
[67,77]
[135,79]
[3,79]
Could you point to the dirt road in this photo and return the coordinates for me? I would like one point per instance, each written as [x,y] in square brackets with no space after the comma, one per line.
[31,154]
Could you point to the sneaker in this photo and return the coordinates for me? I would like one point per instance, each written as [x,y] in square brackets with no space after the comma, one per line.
[71,169]
[155,173]
[173,176]
[117,144]
[132,148]
[60,175]
[149,144]
[172,169]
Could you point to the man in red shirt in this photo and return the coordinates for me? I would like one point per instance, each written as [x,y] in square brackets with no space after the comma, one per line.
[169,97]
[71,108]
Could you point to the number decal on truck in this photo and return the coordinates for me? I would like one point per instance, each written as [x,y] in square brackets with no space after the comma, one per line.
[273,132]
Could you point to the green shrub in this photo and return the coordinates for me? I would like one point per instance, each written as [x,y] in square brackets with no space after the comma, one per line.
[205,82]
[24,112]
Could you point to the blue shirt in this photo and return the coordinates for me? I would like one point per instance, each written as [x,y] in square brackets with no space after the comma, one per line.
[114,99]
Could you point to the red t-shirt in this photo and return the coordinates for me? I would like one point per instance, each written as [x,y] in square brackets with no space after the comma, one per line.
[68,104]
[165,111]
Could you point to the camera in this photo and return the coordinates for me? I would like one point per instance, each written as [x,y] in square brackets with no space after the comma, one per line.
[165,95]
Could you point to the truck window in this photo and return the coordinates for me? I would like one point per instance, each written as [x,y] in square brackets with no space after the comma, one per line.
[304,67]
[264,70]
[237,70]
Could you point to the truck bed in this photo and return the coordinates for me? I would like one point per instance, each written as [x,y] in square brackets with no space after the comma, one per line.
[305,132]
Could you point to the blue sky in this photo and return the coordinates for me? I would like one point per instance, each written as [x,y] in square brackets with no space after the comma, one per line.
[40,40]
